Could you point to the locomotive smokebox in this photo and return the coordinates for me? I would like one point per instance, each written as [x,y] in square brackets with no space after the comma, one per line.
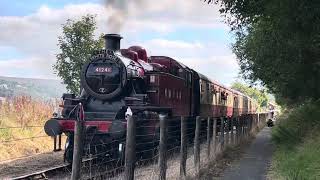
[112,41]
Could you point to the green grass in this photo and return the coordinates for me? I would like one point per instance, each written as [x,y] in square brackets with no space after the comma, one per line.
[297,138]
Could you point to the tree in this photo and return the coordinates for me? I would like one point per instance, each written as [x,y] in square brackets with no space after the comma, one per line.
[278,43]
[259,95]
[76,45]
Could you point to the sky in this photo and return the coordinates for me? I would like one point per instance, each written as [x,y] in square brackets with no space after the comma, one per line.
[192,32]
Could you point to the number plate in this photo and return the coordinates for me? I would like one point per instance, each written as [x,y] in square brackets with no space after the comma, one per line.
[103,69]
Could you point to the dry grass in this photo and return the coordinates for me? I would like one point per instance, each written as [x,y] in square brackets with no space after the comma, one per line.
[21,127]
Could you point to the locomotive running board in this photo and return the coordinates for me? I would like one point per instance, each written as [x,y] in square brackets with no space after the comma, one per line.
[151,108]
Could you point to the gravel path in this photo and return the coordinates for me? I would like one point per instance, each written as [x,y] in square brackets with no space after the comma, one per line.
[30,164]
[256,160]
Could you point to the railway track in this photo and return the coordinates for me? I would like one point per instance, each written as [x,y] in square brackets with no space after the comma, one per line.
[44,174]
[64,171]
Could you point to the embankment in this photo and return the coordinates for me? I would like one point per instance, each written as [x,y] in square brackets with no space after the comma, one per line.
[297,140]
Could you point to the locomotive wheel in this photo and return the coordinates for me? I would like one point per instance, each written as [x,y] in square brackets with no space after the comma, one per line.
[99,147]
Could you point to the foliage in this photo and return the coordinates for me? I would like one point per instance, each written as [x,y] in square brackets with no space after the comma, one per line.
[259,95]
[297,137]
[278,43]
[76,45]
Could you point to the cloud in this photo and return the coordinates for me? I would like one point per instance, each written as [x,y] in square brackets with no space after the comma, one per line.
[164,16]
[33,67]
[176,44]
[216,61]
[35,35]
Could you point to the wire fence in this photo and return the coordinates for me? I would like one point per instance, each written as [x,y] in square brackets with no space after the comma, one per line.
[22,142]
[28,149]
[140,147]
[160,147]
[21,126]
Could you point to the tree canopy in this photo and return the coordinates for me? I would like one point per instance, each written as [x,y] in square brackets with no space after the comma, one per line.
[278,43]
[76,44]
[259,95]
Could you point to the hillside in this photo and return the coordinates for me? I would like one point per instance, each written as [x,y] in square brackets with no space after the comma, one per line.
[36,88]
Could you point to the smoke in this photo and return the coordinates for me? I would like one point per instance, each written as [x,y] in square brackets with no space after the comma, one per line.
[121,10]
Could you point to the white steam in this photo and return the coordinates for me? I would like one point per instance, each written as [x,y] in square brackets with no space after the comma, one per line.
[122,9]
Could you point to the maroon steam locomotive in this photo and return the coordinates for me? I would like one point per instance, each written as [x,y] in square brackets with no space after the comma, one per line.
[115,79]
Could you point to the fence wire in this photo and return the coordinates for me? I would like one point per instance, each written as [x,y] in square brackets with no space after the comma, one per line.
[103,155]
[106,160]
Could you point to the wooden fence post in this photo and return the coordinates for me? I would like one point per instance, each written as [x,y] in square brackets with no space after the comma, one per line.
[246,126]
[241,127]
[252,123]
[232,133]
[208,137]
[197,145]
[227,131]
[78,145]
[214,134]
[59,143]
[238,130]
[222,133]
[163,147]
[130,151]
[55,143]
[258,119]
[256,122]
[183,149]
[249,124]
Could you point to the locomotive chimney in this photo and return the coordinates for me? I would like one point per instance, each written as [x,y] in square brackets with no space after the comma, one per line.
[112,41]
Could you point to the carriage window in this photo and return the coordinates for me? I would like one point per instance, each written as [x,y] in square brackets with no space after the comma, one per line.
[169,93]
[165,92]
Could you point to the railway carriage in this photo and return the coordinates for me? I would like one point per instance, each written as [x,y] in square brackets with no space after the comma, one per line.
[115,80]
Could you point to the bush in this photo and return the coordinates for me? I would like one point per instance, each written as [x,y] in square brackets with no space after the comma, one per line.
[297,140]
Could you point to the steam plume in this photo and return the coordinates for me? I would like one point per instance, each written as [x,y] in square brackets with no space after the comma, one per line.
[121,11]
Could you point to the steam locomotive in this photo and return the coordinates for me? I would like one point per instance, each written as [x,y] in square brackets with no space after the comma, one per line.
[115,79]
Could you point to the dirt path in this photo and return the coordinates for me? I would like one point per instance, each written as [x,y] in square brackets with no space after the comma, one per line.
[256,160]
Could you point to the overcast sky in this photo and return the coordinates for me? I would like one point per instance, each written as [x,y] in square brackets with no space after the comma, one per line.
[190,31]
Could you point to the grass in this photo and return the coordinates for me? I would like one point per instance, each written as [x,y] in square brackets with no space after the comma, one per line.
[297,138]
[21,127]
